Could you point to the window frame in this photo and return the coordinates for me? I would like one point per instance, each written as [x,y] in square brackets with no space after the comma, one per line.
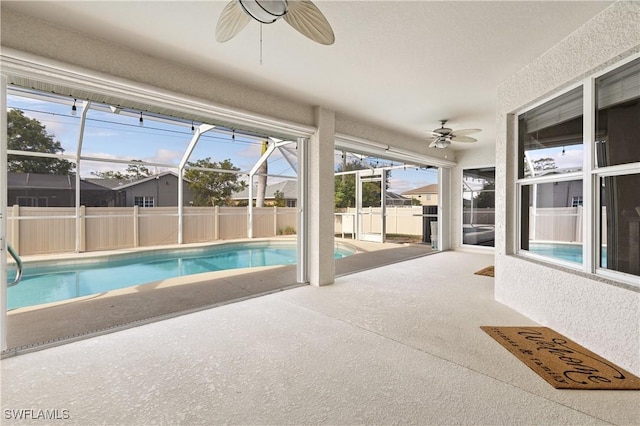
[590,176]
[146,199]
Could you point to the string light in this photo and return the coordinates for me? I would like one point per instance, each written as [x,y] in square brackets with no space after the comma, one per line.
[141,123]
[74,109]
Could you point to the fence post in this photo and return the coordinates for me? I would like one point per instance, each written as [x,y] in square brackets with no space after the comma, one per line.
[578,231]
[15,228]
[216,222]
[275,220]
[395,217]
[83,229]
[136,237]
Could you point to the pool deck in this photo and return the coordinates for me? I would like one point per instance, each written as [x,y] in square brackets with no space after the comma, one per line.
[34,328]
[395,345]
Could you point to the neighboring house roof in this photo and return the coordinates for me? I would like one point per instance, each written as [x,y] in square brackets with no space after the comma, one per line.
[288,188]
[45,181]
[108,183]
[118,184]
[397,197]
[427,189]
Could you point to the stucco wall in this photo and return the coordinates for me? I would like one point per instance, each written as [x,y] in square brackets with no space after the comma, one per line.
[602,315]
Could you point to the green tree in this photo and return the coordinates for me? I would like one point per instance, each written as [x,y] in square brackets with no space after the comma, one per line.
[138,170]
[110,174]
[546,163]
[133,172]
[279,200]
[486,199]
[28,134]
[345,187]
[212,188]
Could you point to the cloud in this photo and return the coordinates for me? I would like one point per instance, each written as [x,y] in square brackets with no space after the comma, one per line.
[571,159]
[165,156]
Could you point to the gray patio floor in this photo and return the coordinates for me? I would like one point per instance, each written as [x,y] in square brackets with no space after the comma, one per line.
[398,344]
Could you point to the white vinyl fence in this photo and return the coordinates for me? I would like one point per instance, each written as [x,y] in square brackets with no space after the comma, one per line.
[561,224]
[46,230]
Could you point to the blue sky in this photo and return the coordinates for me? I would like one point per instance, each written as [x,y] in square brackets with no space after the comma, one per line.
[116,136]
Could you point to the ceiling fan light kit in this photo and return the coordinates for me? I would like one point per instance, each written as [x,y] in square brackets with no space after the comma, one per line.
[266,11]
[443,136]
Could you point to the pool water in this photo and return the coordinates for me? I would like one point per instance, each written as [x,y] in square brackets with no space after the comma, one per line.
[568,252]
[45,284]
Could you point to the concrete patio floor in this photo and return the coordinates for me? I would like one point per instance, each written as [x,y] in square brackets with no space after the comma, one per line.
[40,326]
[398,344]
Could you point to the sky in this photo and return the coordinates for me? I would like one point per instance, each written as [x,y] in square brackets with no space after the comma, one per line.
[120,137]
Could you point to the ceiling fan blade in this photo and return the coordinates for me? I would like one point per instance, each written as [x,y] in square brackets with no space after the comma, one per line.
[432,144]
[457,138]
[232,21]
[433,134]
[465,132]
[307,19]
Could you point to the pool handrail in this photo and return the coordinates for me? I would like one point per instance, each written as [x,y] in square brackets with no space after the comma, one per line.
[16,257]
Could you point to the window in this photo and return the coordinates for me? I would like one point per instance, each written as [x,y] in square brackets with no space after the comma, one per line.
[143,201]
[551,146]
[617,143]
[553,225]
[478,206]
[25,201]
[576,201]
[550,137]
[558,197]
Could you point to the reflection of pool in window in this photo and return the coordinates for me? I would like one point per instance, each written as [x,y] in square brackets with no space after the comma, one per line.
[567,252]
[478,235]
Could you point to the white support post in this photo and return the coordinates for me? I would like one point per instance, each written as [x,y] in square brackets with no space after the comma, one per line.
[302,270]
[590,191]
[252,173]
[250,208]
[444,208]
[383,204]
[79,234]
[3,212]
[321,200]
[183,162]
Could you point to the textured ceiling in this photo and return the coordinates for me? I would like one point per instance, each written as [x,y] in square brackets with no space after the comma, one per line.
[401,64]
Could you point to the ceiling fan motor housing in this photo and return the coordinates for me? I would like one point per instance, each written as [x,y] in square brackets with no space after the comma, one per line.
[265,11]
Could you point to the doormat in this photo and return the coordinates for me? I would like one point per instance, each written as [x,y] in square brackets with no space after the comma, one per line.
[487,272]
[560,361]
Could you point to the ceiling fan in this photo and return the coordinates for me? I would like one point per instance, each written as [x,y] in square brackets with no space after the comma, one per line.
[443,136]
[302,15]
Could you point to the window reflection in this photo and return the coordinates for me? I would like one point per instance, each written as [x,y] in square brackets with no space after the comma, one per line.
[618,116]
[550,137]
[551,223]
[620,223]
[478,206]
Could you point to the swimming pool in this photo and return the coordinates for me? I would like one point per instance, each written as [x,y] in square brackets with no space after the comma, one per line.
[70,278]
